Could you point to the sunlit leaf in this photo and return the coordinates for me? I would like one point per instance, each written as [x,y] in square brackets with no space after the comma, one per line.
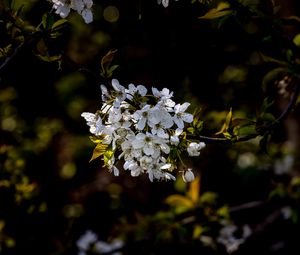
[99,150]
[221,10]
[243,127]
[194,190]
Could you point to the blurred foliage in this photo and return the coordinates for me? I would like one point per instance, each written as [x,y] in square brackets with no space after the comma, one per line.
[236,61]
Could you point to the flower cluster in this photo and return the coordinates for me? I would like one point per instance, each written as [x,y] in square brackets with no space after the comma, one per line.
[146,131]
[83,7]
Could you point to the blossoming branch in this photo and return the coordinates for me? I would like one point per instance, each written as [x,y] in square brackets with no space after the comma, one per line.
[146,131]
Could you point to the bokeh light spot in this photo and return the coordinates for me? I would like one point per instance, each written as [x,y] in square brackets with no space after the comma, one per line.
[111,13]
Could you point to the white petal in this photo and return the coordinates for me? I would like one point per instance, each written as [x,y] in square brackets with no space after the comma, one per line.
[184,106]
[162,134]
[88,3]
[156,92]
[142,90]
[165,166]
[141,124]
[88,116]
[87,15]
[178,122]
[187,117]
[148,150]
[116,85]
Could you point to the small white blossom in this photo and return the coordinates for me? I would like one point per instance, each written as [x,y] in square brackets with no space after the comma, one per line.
[164,97]
[119,91]
[132,90]
[194,149]
[61,8]
[141,116]
[94,121]
[174,139]
[181,116]
[188,175]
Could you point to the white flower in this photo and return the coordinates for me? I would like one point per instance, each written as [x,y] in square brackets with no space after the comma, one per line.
[194,149]
[86,240]
[119,92]
[94,121]
[83,7]
[128,152]
[181,116]
[157,170]
[188,175]
[158,129]
[104,93]
[146,142]
[159,121]
[132,90]
[77,5]
[174,139]
[164,97]
[61,8]
[145,115]
[134,167]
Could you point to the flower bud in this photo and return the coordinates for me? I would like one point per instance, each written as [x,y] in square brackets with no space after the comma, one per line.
[188,175]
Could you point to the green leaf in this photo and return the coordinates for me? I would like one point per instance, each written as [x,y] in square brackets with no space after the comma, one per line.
[221,10]
[59,24]
[243,127]
[99,150]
